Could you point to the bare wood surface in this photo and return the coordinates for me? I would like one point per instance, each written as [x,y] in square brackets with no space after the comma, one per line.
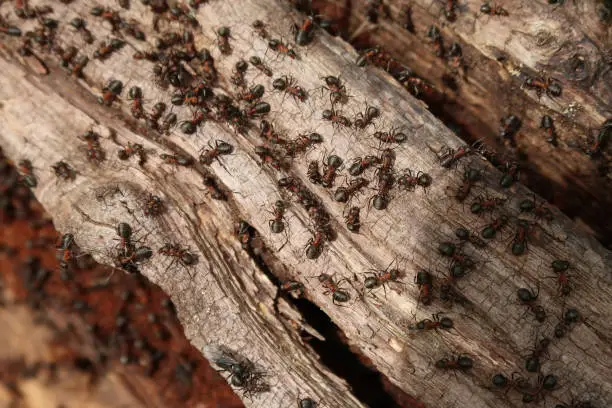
[566,42]
[226,300]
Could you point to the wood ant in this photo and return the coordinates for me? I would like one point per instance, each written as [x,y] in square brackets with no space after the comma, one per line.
[336,118]
[470,177]
[289,85]
[392,136]
[491,230]
[106,49]
[452,156]
[460,363]
[213,188]
[568,317]
[337,90]
[549,127]
[560,267]
[352,220]
[314,246]
[282,48]
[434,323]
[257,109]
[424,280]
[268,157]
[179,254]
[528,297]
[532,362]
[515,382]
[258,63]
[330,168]
[94,151]
[153,206]
[277,225]
[486,204]
[533,394]
[366,118]
[238,74]
[541,211]
[253,94]
[486,8]
[215,151]
[511,175]
[293,286]
[465,235]
[519,242]
[509,126]
[27,173]
[176,160]
[110,92]
[135,95]
[133,149]
[303,142]
[548,85]
[380,200]
[602,139]
[79,65]
[376,278]
[81,26]
[260,29]
[338,295]
[361,164]
[64,170]
[344,194]
[266,130]
[409,182]
[304,34]
[436,37]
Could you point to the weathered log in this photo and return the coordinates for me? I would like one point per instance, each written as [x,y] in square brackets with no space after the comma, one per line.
[568,42]
[231,297]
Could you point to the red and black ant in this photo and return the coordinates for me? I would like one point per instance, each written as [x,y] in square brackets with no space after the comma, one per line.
[258,63]
[260,29]
[213,188]
[409,182]
[378,278]
[338,295]
[135,95]
[282,48]
[268,157]
[106,49]
[353,223]
[314,247]
[337,90]
[345,194]
[434,323]
[424,280]
[436,37]
[486,8]
[176,160]
[95,153]
[289,85]
[330,169]
[392,136]
[361,164]
[302,143]
[266,130]
[366,118]
[215,151]
[304,33]
[541,85]
[179,254]
[133,149]
[560,267]
[460,363]
[549,127]
[110,92]
[528,297]
[336,118]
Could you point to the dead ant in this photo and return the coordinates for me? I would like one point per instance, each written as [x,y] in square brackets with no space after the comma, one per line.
[338,295]
[301,143]
[434,323]
[392,136]
[258,63]
[409,182]
[486,8]
[330,168]
[179,254]
[352,220]
[337,90]
[215,151]
[361,164]
[289,85]
[260,29]
[344,194]
[424,280]
[336,118]
[366,118]
[131,150]
[549,127]
[63,170]
[528,297]
[282,48]
[548,85]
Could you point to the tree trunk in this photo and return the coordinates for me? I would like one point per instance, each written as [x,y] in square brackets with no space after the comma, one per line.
[231,298]
[569,43]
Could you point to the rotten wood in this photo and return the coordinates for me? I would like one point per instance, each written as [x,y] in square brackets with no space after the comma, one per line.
[568,42]
[227,299]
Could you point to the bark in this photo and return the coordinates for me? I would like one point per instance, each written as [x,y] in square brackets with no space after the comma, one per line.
[568,42]
[228,299]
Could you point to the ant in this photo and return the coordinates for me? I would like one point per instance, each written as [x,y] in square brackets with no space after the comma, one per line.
[63,170]
[277,224]
[337,90]
[436,37]
[79,65]
[179,254]
[486,8]
[257,109]
[352,220]
[109,15]
[289,85]
[258,63]
[393,136]
[509,126]
[455,55]
[528,297]
[314,246]
[156,113]
[304,34]
[601,141]
[568,317]
[239,73]
[66,56]
[366,118]
[560,267]
[464,235]
[344,194]
[266,130]
[460,363]
[260,29]
[470,177]
[548,85]
[110,92]
[302,143]
[27,173]
[433,324]
[135,95]
[482,204]
[424,280]
[253,94]
[176,160]
[519,242]
[548,126]
[382,278]
[338,295]
[293,286]
[452,156]
[107,48]
[533,394]
[380,200]
[511,175]
[460,262]
[95,153]
[335,118]
[153,206]
[532,363]
[133,149]
[361,164]
[409,182]
[407,17]
[491,230]
[213,187]
[515,382]
[330,168]
[268,156]
[282,48]
[219,148]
